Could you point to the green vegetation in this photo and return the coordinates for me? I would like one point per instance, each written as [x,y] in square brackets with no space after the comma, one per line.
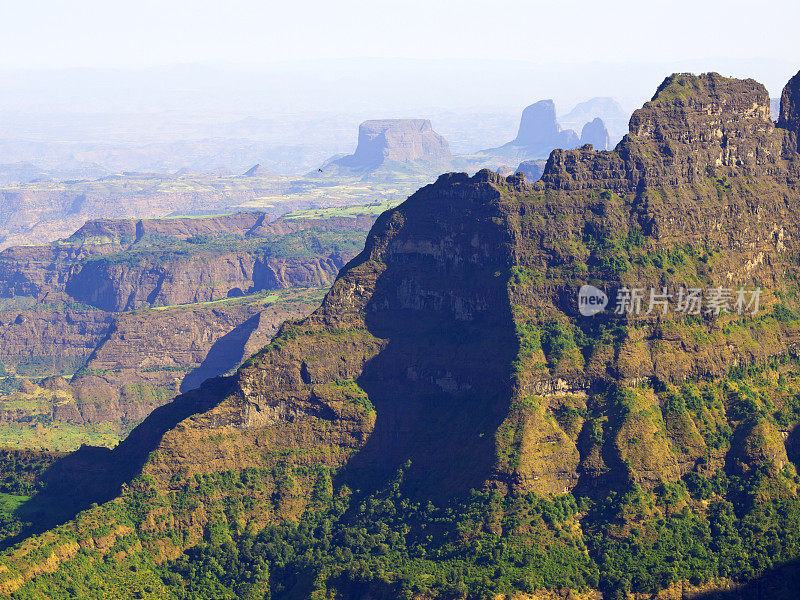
[391,542]
[357,210]
[731,537]
[43,433]
[477,547]
[20,470]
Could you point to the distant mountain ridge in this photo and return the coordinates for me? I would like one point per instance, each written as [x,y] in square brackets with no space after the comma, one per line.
[614,117]
[100,328]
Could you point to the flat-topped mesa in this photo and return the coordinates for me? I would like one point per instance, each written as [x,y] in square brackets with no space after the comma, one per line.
[696,128]
[179,228]
[396,140]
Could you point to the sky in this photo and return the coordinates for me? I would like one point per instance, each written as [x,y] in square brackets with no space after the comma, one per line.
[147,33]
[375,58]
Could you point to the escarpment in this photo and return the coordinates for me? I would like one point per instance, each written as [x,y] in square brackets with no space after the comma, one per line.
[712,210]
[451,380]
[119,265]
[429,286]
[145,281]
[105,326]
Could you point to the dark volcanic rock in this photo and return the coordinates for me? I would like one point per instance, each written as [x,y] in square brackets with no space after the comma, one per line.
[434,264]
[119,265]
[450,355]
[162,281]
[130,362]
[790,107]
[35,270]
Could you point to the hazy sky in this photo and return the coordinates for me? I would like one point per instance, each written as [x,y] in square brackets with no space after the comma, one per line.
[112,33]
[374,58]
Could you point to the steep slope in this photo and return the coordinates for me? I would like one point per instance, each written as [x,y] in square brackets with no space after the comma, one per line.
[538,134]
[613,115]
[449,423]
[134,311]
[596,134]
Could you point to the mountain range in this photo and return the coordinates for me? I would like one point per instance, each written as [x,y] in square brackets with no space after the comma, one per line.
[99,329]
[451,422]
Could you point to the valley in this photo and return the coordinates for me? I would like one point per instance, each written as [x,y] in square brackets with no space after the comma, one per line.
[100,328]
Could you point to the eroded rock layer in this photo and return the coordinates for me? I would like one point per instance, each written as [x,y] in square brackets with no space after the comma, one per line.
[481,426]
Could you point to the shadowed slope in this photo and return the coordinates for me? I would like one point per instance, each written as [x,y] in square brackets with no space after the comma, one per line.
[95,475]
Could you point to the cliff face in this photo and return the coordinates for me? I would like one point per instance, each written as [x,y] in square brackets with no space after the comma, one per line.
[429,261]
[128,231]
[538,135]
[130,285]
[81,309]
[395,140]
[33,270]
[596,134]
[532,169]
[451,355]
[131,264]
[129,365]
[538,129]
[614,117]
[789,116]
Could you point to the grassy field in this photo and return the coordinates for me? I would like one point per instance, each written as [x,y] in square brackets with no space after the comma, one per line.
[358,210]
[58,435]
[10,503]
[265,298]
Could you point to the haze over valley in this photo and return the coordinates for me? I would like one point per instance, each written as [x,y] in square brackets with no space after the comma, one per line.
[335,301]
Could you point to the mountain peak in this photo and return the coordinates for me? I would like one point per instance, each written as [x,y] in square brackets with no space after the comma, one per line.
[538,127]
[596,134]
[789,118]
[258,171]
[451,355]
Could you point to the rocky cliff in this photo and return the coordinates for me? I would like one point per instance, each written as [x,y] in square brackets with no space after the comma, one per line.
[125,366]
[538,128]
[81,309]
[119,265]
[532,169]
[395,140]
[614,117]
[596,134]
[449,422]
[539,133]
